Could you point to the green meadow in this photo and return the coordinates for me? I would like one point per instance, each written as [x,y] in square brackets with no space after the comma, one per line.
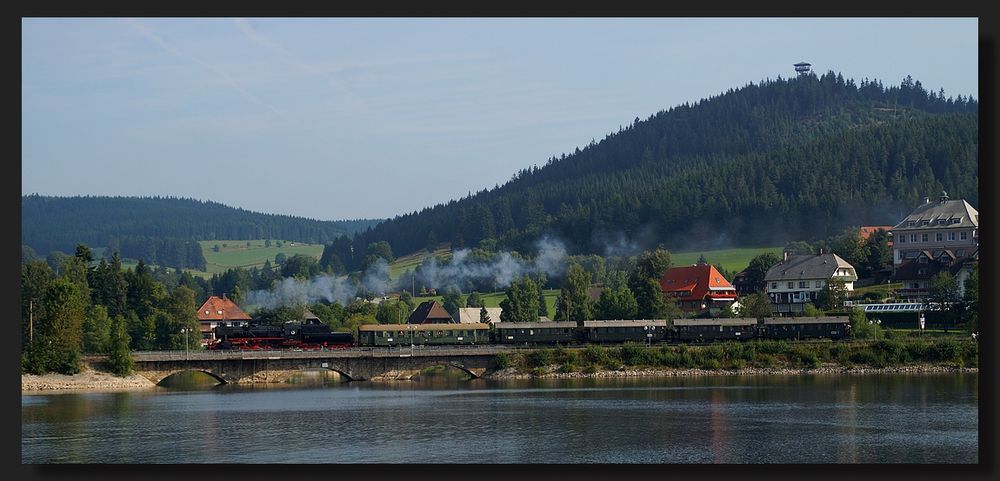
[234,253]
[734,260]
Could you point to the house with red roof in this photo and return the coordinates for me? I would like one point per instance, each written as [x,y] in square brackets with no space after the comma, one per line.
[698,288]
[219,310]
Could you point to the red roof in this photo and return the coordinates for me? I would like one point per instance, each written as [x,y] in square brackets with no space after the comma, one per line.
[221,309]
[867,230]
[696,282]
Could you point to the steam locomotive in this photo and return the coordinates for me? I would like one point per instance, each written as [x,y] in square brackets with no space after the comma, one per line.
[308,335]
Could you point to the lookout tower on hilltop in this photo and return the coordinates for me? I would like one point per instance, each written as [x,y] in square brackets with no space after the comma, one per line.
[802,68]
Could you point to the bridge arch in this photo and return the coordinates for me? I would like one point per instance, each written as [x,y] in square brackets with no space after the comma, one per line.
[167,374]
[475,373]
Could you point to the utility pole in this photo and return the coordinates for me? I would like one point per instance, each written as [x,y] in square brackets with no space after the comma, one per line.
[31,321]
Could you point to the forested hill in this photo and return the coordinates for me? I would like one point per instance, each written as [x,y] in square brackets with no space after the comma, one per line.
[781,160]
[59,223]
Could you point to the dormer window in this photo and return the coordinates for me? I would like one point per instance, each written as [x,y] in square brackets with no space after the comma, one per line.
[220,313]
[925,222]
[922,271]
[922,259]
[911,223]
[956,221]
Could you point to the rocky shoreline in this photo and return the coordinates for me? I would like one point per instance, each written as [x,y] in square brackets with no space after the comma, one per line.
[91,380]
[824,370]
[88,380]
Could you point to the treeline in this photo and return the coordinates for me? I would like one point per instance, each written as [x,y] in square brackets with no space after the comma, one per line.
[785,159]
[160,230]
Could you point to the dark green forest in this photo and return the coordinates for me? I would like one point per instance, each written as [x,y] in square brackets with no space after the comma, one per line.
[781,160]
[160,230]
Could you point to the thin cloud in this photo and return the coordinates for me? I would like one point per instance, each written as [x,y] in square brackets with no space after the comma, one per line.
[292,59]
[145,31]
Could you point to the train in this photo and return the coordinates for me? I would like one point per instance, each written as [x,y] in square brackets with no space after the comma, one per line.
[307,335]
[315,335]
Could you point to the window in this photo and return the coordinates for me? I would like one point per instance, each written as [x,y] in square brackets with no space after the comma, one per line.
[923,259]
[774,285]
[819,283]
[956,221]
[802,284]
[939,237]
[925,222]
[913,237]
[791,285]
[951,236]
[963,235]
[923,237]
[902,239]
[959,253]
[922,271]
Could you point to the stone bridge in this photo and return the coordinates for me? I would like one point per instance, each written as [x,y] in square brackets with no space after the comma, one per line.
[357,364]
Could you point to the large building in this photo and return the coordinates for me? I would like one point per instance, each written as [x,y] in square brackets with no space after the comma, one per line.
[219,310]
[699,288]
[798,279]
[934,227]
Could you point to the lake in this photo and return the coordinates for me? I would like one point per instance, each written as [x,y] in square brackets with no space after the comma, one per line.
[842,418]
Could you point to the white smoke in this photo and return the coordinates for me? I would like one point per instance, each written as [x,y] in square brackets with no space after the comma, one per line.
[342,290]
[503,269]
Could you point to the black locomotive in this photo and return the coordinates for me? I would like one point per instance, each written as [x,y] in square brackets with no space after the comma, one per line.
[311,334]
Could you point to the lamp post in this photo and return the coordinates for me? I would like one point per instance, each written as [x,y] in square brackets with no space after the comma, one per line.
[185,331]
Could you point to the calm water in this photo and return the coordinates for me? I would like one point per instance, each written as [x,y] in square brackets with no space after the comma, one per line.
[764,419]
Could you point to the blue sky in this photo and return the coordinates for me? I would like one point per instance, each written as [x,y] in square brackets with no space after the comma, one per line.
[359,118]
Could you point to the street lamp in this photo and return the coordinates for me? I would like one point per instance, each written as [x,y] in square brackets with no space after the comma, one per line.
[185,331]
[876,322]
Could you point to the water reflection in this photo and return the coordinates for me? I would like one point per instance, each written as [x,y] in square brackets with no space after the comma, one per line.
[320,419]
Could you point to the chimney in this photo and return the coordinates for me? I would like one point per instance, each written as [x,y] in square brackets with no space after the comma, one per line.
[223,295]
[927,200]
[786,256]
[820,251]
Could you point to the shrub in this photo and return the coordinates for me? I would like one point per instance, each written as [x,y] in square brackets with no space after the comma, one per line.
[598,355]
[892,351]
[507,360]
[568,367]
[540,358]
[636,355]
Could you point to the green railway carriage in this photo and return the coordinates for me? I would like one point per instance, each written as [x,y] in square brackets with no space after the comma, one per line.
[535,332]
[720,329]
[387,335]
[804,327]
[646,331]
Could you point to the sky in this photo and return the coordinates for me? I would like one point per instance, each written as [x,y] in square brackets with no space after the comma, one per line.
[349,118]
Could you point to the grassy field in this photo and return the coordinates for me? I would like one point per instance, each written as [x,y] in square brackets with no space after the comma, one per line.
[732,259]
[238,254]
[410,262]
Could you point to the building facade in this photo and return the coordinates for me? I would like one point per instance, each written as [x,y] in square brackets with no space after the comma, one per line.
[699,288]
[798,279]
[934,227]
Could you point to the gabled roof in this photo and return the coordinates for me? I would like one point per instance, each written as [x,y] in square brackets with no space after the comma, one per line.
[695,282]
[429,312]
[221,309]
[800,267]
[940,214]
